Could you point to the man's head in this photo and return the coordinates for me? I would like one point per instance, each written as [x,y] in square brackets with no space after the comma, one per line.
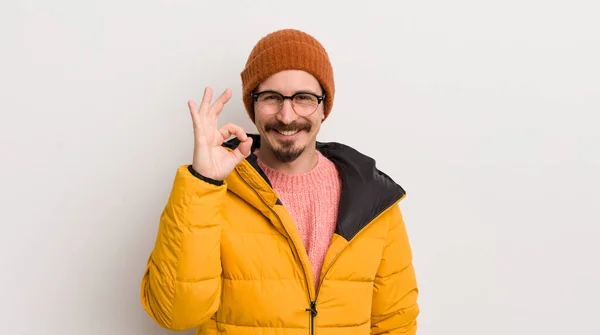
[288,90]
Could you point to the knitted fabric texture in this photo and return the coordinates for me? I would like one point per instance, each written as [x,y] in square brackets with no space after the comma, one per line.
[287,49]
[312,200]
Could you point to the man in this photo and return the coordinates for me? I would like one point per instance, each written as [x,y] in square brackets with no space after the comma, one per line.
[277,233]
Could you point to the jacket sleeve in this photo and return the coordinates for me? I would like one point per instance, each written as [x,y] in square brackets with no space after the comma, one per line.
[181,285]
[395,308]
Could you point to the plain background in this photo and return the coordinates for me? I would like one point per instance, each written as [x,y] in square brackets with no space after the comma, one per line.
[486,112]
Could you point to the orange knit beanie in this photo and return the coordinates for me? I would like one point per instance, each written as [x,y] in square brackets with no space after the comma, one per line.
[287,49]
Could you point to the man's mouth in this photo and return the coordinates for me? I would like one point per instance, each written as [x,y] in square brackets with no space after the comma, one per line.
[287,132]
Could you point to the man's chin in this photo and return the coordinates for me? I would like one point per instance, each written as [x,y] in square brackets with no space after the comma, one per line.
[287,155]
[286,149]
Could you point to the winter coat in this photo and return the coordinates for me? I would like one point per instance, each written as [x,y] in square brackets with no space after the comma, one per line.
[228,258]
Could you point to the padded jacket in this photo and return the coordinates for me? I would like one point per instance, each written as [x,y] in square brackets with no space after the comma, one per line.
[228,258]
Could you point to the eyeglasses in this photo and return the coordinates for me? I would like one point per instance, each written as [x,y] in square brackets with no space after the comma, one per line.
[303,103]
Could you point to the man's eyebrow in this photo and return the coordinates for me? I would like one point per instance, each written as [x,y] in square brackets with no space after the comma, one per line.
[307,91]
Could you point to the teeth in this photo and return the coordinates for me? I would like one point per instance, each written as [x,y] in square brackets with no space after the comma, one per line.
[288,133]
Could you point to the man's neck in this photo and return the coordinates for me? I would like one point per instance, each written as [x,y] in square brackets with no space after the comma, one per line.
[304,163]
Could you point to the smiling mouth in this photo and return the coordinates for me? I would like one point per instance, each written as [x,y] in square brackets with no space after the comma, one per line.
[287,132]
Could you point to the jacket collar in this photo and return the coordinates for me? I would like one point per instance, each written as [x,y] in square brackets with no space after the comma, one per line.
[366,191]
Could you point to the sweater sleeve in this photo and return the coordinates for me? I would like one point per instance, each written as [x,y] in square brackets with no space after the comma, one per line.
[181,285]
[395,308]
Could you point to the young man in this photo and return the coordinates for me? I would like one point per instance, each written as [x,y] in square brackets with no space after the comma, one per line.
[277,233]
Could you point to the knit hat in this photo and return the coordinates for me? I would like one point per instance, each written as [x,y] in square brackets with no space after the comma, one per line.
[287,49]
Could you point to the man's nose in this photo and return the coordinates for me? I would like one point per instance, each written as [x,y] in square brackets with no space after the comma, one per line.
[287,114]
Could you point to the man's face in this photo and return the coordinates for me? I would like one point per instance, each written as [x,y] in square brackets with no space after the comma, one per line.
[288,132]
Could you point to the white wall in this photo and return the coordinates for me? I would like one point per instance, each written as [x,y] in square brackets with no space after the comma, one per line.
[486,112]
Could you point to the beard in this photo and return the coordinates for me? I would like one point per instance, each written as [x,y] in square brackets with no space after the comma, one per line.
[287,151]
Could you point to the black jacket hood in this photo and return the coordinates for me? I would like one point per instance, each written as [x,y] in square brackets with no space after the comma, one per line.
[366,191]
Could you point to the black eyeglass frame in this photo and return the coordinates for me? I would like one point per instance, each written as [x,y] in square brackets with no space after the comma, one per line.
[320,98]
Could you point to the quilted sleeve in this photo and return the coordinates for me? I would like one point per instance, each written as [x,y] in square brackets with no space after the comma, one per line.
[395,308]
[181,286]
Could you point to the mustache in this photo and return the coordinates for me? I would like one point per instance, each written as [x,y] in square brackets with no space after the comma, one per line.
[280,126]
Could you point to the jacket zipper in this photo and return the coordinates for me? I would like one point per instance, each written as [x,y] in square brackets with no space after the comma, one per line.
[313,303]
[313,314]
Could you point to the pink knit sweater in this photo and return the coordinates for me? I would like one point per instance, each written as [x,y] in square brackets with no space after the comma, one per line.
[312,200]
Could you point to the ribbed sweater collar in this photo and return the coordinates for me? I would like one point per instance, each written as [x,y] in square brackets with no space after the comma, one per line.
[288,182]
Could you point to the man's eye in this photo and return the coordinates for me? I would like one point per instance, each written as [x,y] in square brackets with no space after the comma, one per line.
[270,97]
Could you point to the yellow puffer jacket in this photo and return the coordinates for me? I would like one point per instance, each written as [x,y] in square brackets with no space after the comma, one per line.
[229,260]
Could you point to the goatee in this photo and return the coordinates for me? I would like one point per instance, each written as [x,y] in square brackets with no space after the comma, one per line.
[286,152]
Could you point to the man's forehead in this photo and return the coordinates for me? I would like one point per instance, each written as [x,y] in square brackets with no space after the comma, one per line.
[290,86]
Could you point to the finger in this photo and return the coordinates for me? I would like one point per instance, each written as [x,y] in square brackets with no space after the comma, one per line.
[193,109]
[220,141]
[217,107]
[206,98]
[244,148]
[232,129]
